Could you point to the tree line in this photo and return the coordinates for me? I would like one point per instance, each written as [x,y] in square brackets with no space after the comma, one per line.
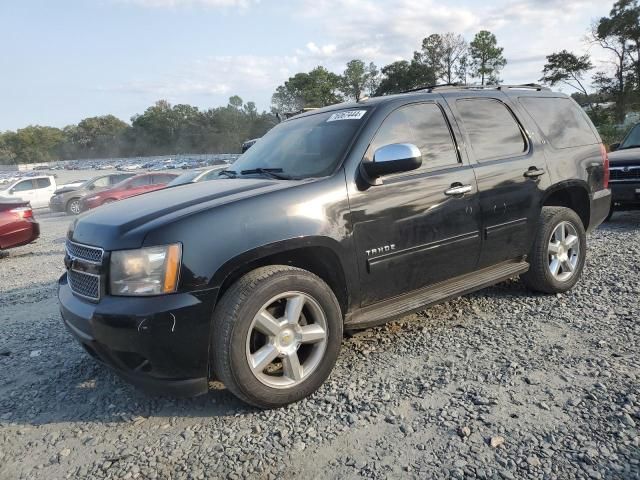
[162,129]
[442,58]
[608,96]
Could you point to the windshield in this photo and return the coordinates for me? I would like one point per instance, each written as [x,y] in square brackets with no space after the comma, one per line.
[632,139]
[305,147]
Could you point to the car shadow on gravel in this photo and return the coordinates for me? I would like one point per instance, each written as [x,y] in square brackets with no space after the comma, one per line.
[86,391]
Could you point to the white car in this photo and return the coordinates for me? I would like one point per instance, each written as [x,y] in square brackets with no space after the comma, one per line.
[37,190]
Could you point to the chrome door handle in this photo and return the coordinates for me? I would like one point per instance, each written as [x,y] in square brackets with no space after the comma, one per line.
[534,172]
[458,190]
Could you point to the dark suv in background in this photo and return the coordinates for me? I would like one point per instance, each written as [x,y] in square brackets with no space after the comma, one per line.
[337,219]
[625,172]
[68,199]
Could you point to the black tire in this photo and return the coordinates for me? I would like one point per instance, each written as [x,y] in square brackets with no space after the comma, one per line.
[232,320]
[73,206]
[539,276]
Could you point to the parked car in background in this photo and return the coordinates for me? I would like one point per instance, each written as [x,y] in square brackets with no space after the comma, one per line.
[248,144]
[68,199]
[70,185]
[146,182]
[624,172]
[200,175]
[17,223]
[36,190]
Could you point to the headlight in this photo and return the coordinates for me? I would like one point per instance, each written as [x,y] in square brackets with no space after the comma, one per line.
[147,271]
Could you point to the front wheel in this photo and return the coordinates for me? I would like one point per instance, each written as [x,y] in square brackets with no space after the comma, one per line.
[558,253]
[276,336]
[74,207]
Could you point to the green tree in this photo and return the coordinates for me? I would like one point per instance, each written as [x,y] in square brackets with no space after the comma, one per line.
[568,68]
[402,75]
[359,79]
[487,60]
[619,34]
[318,88]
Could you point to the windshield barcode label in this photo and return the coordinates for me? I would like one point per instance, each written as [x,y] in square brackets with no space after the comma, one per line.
[348,115]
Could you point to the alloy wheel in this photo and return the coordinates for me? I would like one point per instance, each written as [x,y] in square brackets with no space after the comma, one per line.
[287,340]
[563,251]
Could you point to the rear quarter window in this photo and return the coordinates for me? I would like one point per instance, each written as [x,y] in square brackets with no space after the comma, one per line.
[561,121]
[43,182]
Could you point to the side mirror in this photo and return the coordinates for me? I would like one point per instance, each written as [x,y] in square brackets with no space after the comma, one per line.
[614,146]
[394,158]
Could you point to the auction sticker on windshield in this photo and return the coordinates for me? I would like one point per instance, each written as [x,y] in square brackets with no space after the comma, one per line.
[348,115]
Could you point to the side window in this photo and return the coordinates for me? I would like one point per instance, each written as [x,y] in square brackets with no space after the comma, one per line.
[158,179]
[23,186]
[561,121]
[140,181]
[423,125]
[493,131]
[101,182]
[43,182]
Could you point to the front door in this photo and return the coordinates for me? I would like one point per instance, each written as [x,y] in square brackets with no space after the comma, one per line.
[420,227]
[25,190]
[511,174]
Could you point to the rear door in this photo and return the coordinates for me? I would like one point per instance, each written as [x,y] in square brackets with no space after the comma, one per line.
[511,174]
[44,191]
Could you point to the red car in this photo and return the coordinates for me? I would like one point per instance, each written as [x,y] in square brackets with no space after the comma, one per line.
[17,224]
[145,182]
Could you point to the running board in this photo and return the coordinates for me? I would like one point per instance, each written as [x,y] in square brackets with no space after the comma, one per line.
[387,310]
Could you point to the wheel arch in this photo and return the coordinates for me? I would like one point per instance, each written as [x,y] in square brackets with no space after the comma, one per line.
[573,195]
[317,256]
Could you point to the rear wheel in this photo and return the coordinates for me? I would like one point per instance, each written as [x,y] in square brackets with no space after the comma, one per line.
[558,253]
[73,206]
[276,336]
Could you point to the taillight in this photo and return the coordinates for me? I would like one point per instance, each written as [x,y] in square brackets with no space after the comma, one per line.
[605,165]
[23,212]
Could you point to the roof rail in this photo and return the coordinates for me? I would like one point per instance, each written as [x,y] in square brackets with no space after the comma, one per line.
[455,86]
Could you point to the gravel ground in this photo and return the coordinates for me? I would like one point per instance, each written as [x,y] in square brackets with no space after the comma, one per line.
[499,384]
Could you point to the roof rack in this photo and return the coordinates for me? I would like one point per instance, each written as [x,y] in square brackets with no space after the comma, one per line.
[458,86]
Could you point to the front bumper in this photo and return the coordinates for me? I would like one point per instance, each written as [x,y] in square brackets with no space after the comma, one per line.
[600,206]
[159,344]
[56,206]
[625,194]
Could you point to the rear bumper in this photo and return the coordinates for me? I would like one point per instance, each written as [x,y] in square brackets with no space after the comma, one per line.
[159,344]
[600,206]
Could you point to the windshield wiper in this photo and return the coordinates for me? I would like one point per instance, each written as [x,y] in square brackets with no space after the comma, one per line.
[228,173]
[270,172]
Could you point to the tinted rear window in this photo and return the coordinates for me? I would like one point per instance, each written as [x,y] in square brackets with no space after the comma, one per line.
[43,182]
[561,121]
[493,131]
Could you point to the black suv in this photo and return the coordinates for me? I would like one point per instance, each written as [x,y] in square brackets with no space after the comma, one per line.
[625,172]
[337,219]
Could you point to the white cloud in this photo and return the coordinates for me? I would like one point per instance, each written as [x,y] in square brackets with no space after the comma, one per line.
[381,31]
[193,3]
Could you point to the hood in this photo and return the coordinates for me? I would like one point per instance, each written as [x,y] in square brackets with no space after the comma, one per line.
[629,156]
[124,224]
[65,190]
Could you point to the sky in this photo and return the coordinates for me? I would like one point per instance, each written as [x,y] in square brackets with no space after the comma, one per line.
[66,60]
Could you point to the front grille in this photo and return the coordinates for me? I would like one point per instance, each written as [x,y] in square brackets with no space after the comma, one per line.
[84,284]
[85,280]
[84,252]
[624,174]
